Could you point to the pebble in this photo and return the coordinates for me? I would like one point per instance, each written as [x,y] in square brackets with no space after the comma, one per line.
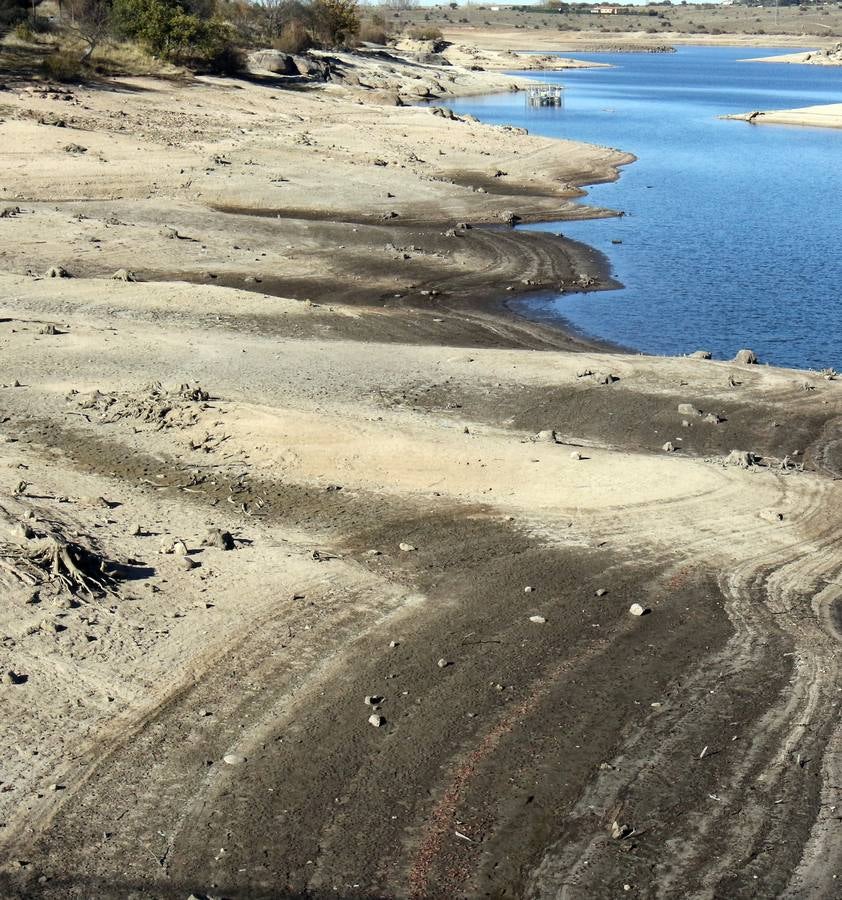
[135,530]
[376,720]
[373,700]
[528,589]
[443,663]
[601,592]
[575,455]
[234,759]
[188,563]
[636,609]
[407,548]
[668,447]
[393,644]
[538,620]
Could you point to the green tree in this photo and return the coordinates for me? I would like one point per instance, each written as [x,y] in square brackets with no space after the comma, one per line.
[337,21]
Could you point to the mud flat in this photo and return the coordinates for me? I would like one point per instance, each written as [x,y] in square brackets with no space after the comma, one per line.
[318,562]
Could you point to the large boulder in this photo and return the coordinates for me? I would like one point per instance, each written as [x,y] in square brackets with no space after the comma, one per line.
[272,61]
[746,358]
[312,67]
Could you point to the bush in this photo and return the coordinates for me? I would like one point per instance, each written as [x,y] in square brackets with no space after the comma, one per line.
[373,30]
[62,66]
[227,60]
[295,37]
[23,32]
[426,33]
[337,21]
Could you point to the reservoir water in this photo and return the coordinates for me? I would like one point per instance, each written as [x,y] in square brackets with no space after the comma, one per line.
[733,233]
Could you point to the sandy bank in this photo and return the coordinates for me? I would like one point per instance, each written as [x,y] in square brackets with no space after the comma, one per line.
[317,565]
[825,116]
[829,56]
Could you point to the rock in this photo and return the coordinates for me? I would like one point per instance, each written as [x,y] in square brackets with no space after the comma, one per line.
[312,67]
[600,592]
[188,563]
[76,149]
[746,358]
[618,831]
[742,458]
[576,455]
[50,330]
[538,620]
[96,502]
[548,436]
[57,272]
[443,663]
[273,61]
[668,447]
[171,233]
[713,419]
[9,212]
[218,538]
[373,700]
[407,548]
[528,589]
[394,644]
[12,677]
[234,759]
[701,354]
[511,219]
[605,378]
[135,530]
[376,720]
[584,373]
[637,610]
[124,275]
[687,409]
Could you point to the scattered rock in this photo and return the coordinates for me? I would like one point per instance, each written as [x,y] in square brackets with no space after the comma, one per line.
[600,592]
[746,358]
[234,759]
[637,610]
[576,455]
[713,419]
[584,373]
[548,436]
[605,378]
[57,272]
[376,720]
[135,530]
[701,354]
[124,275]
[373,700]
[687,409]
[528,589]
[618,831]
[188,563]
[538,620]
[443,663]
[742,458]
[394,644]
[12,677]
[170,233]
[222,540]
[76,149]
[407,548]
[9,212]
[50,330]
[668,447]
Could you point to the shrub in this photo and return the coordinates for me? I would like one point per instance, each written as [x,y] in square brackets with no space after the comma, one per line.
[426,33]
[373,30]
[23,32]
[337,21]
[62,66]
[295,37]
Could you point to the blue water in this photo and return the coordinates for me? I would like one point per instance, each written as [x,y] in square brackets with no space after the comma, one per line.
[733,233]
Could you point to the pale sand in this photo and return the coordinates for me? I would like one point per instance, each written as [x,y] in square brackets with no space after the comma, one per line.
[351,424]
[827,57]
[828,115]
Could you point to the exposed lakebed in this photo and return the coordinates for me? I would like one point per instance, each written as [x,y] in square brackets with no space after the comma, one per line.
[731,234]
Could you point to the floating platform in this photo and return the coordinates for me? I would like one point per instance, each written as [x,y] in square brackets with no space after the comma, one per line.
[545,95]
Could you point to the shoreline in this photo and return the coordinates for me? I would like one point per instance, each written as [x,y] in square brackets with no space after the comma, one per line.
[374,544]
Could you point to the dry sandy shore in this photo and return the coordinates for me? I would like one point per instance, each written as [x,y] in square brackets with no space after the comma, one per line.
[430,501]
[828,115]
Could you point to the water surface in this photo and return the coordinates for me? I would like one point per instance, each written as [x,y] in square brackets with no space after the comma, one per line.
[732,232]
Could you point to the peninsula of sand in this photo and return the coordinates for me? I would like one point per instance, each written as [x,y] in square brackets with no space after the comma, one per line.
[324,573]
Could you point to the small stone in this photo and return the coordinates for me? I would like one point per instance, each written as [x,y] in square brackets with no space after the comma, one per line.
[234,759]
[443,663]
[57,272]
[713,419]
[222,540]
[135,530]
[601,592]
[538,620]
[528,589]
[179,548]
[637,610]
[373,700]
[376,720]
[668,447]
[687,409]
[575,455]
[187,563]
[393,644]
[548,436]
[746,358]
[742,458]
[407,548]
[701,354]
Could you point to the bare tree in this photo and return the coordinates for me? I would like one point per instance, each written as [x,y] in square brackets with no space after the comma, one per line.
[91,20]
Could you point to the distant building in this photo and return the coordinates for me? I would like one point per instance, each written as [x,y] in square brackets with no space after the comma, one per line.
[607,10]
